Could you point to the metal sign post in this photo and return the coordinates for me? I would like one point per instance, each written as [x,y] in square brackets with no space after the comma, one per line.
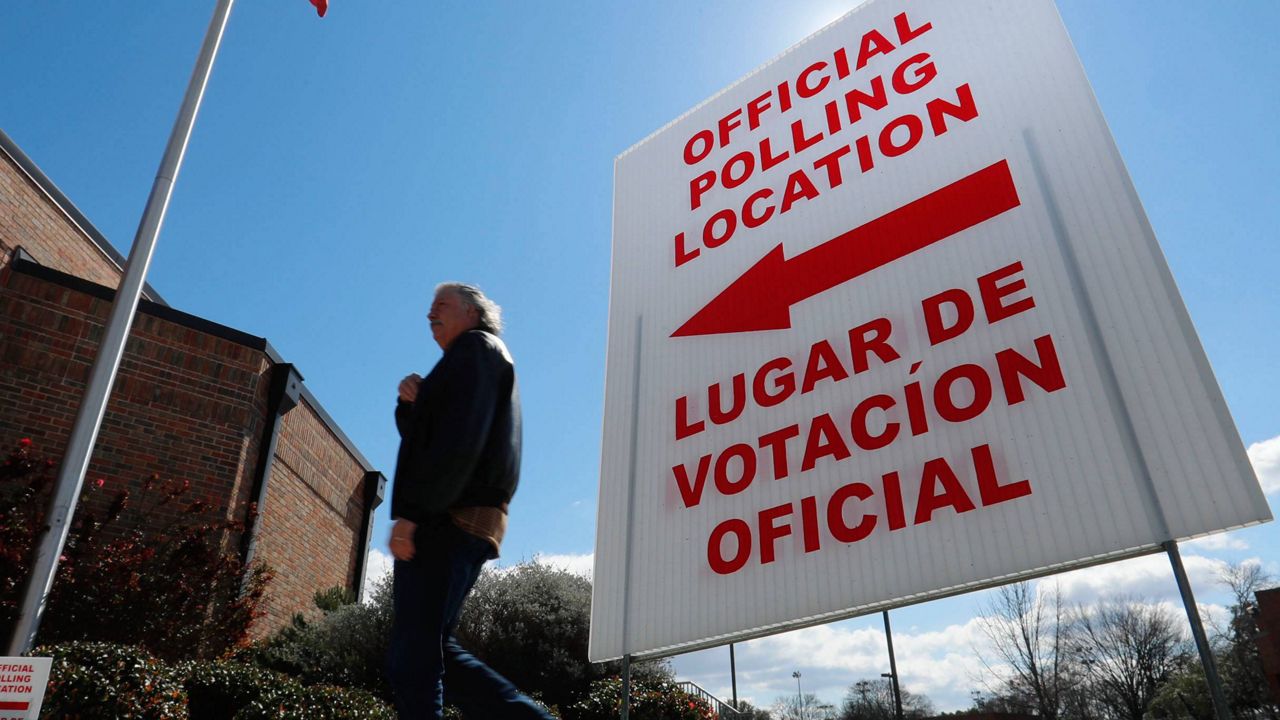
[93,405]
[1220,709]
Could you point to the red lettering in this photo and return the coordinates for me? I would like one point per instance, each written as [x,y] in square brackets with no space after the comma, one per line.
[831,163]
[938,109]
[938,329]
[715,544]
[944,402]
[727,124]
[691,492]
[824,439]
[994,294]
[1012,366]
[862,437]
[873,43]
[709,236]
[875,100]
[922,76]
[767,159]
[823,364]
[799,187]
[871,338]
[915,131]
[755,108]
[698,186]
[905,32]
[747,457]
[720,416]
[747,160]
[799,140]
[684,428]
[705,140]
[776,443]
[893,501]
[989,488]
[803,88]
[770,533]
[784,384]
[809,523]
[683,256]
[951,494]
[835,514]
[749,216]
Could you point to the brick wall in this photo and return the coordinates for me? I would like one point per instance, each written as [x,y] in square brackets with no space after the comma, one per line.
[1269,638]
[312,515]
[184,405]
[29,219]
[190,402]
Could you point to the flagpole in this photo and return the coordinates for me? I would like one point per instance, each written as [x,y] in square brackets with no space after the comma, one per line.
[93,405]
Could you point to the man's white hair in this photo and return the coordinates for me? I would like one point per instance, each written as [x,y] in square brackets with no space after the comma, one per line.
[490,313]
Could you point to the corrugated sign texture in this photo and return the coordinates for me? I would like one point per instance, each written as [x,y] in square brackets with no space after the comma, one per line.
[887,323]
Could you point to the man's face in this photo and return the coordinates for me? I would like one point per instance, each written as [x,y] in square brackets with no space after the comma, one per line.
[450,316]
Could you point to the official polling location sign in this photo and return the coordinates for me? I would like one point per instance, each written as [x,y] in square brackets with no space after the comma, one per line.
[22,685]
[888,323]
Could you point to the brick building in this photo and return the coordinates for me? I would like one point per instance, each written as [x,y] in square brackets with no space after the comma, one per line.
[1268,620]
[193,399]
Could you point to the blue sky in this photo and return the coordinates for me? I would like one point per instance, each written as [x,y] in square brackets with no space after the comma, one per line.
[342,167]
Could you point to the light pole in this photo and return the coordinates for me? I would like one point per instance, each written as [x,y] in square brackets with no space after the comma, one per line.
[799,696]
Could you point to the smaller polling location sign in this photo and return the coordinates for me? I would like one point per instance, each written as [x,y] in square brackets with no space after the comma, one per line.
[22,685]
[887,323]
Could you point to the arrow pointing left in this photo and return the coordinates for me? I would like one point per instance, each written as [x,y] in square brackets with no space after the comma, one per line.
[761,298]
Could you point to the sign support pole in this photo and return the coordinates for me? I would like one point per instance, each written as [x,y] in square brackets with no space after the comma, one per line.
[893,667]
[1220,709]
[626,686]
[631,513]
[733,677]
[93,404]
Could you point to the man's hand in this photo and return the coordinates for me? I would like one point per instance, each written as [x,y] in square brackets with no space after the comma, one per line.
[401,543]
[409,387]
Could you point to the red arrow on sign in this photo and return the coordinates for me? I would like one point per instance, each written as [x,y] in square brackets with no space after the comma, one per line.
[762,297]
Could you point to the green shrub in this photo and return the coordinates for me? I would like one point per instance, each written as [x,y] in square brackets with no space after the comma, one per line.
[224,689]
[346,647]
[531,624]
[650,700]
[218,689]
[292,701]
[91,680]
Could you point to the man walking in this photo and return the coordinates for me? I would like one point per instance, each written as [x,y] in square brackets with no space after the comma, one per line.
[458,466]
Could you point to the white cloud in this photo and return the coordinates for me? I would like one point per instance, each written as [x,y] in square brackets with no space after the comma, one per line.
[1219,541]
[1265,457]
[576,564]
[379,564]
[938,663]
[942,663]
[1149,577]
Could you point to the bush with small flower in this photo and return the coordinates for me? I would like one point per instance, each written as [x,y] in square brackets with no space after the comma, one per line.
[650,700]
[179,589]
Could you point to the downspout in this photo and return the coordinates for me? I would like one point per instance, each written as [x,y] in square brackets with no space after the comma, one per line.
[375,486]
[286,387]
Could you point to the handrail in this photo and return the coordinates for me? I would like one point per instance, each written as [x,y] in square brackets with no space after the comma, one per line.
[724,710]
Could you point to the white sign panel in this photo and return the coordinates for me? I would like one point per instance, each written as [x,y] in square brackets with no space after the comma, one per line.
[888,323]
[22,685]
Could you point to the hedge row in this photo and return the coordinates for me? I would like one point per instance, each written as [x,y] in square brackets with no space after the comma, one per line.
[92,680]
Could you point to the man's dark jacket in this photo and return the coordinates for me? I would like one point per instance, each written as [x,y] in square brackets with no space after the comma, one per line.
[460,438]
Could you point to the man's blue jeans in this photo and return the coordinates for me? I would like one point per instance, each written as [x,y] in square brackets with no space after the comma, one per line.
[424,656]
